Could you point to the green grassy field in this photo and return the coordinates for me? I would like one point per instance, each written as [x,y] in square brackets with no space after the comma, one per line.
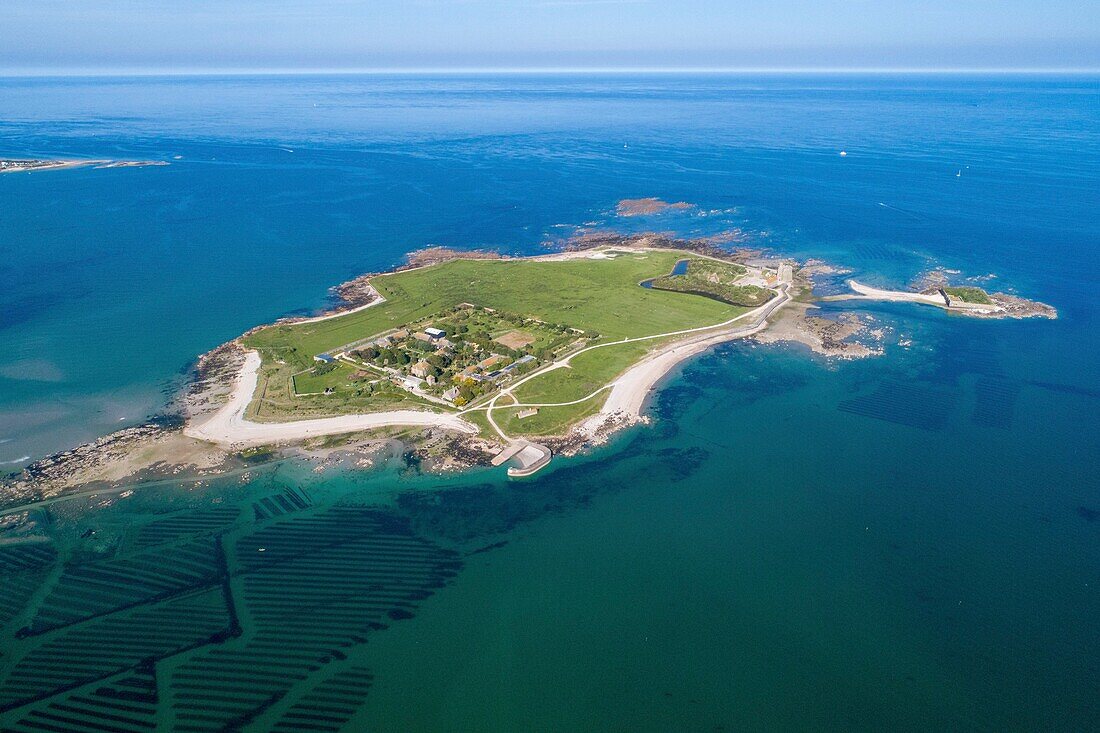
[478,418]
[602,295]
[311,382]
[282,395]
[585,374]
[715,280]
[968,294]
[595,295]
[549,421]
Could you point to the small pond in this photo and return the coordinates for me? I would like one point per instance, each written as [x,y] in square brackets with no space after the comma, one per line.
[681,268]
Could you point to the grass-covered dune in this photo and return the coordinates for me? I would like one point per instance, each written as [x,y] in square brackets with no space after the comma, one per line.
[714,280]
[600,295]
[968,294]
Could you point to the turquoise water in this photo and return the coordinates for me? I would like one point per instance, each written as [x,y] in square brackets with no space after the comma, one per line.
[909,542]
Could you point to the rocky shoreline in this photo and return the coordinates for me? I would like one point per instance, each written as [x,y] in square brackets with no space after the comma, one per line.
[153,450]
[847,336]
[1013,306]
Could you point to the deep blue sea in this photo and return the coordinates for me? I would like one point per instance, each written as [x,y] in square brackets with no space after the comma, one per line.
[910,542]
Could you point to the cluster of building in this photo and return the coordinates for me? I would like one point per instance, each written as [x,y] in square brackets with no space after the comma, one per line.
[422,375]
[435,336]
[483,371]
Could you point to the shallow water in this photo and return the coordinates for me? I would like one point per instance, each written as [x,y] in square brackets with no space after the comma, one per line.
[906,542]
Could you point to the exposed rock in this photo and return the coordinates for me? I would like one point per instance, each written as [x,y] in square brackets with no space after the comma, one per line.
[816,268]
[155,449]
[439,451]
[832,337]
[212,380]
[435,255]
[1016,307]
[649,207]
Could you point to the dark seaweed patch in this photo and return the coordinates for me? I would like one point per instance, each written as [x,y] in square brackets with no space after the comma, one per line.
[488,548]
[93,589]
[412,461]
[672,401]
[26,556]
[684,461]
[904,403]
[329,705]
[126,704]
[309,586]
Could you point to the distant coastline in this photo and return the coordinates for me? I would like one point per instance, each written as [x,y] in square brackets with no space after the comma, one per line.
[34,165]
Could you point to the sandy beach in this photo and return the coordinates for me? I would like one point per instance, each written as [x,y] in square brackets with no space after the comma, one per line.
[1000,305]
[630,391]
[228,426]
[867,292]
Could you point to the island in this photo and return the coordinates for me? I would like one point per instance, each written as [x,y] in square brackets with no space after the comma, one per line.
[519,349]
[460,359]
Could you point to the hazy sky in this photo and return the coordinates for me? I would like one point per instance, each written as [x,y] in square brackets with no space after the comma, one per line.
[213,34]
